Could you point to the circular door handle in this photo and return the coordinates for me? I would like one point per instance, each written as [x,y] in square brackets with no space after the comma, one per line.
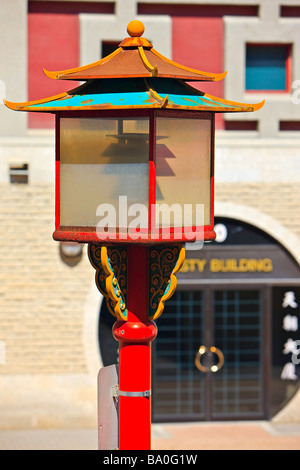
[216,367]
[201,351]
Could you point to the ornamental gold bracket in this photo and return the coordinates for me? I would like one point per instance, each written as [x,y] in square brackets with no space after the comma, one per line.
[149,67]
[164,263]
[110,264]
[162,101]
[111,276]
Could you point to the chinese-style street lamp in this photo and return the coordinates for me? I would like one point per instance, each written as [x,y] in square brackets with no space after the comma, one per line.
[135,138]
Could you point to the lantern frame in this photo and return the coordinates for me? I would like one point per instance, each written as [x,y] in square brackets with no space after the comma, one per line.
[88,234]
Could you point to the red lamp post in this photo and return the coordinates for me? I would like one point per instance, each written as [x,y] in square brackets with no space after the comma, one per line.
[134,180]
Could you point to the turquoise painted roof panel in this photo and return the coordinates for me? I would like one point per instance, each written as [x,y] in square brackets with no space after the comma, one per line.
[134,93]
[103,99]
[117,100]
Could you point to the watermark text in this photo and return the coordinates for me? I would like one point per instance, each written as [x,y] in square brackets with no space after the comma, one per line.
[166,221]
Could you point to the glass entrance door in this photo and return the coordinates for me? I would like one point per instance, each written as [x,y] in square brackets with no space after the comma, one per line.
[178,387]
[207,357]
[237,389]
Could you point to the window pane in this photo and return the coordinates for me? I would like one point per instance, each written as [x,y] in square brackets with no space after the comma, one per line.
[266,67]
[19,173]
[102,159]
[183,149]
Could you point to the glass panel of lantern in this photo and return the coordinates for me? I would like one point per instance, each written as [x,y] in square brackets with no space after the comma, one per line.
[183,170]
[102,159]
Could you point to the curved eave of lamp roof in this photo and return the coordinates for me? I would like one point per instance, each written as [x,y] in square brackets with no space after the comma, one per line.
[133,94]
[139,61]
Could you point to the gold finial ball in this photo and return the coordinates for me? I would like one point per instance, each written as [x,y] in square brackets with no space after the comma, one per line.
[135,28]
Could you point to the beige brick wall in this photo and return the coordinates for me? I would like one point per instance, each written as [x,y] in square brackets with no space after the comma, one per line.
[277,200]
[41,298]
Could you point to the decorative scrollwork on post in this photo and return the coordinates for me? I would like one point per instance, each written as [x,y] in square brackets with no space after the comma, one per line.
[110,264]
[111,276]
[164,263]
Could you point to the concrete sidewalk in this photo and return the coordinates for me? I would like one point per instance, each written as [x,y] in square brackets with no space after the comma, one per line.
[229,436]
[188,436]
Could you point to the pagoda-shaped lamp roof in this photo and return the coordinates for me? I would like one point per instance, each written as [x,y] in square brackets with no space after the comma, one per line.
[135,75]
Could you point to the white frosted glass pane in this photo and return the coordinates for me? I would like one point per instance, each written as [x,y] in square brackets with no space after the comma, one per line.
[101,160]
[82,190]
[183,173]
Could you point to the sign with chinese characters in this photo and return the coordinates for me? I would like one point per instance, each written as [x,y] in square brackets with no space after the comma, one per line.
[286,333]
[290,324]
